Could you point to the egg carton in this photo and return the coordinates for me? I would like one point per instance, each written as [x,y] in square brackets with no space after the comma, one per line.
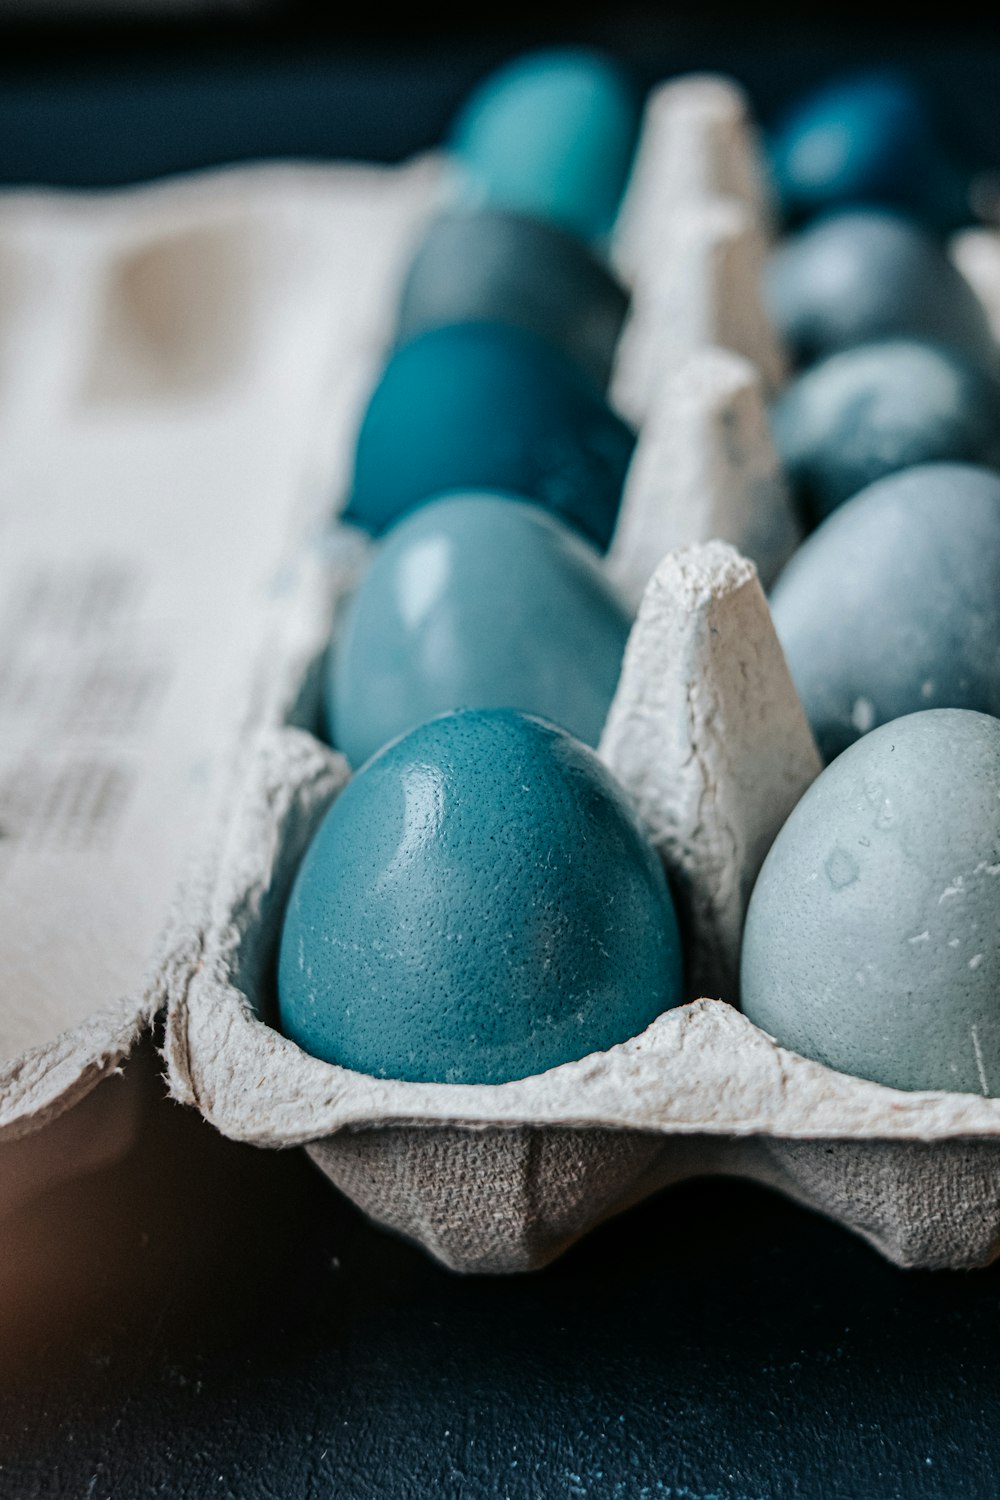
[204,350]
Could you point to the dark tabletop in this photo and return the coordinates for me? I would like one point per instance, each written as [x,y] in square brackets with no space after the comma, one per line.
[204,1320]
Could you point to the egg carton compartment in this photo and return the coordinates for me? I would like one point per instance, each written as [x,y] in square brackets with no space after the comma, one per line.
[707,734]
[199,476]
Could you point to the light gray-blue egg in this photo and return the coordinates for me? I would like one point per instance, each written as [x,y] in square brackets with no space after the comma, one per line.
[870,411]
[872,940]
[476,601]
[866,274]
[893,604]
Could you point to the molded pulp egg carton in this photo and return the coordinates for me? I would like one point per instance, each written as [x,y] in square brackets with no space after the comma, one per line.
[183,372]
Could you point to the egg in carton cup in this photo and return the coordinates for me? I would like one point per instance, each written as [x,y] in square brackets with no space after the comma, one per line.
[707,735]
[183,373]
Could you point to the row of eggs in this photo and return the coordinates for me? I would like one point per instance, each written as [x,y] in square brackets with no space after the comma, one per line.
[481,902]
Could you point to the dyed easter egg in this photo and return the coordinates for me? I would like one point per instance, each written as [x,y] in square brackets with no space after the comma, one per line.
[495,266]
[476,601]
[480,903]
[870,411]
[893,604]
[866,138]
[551,134]
[872,939]
[854,277]
[481,406]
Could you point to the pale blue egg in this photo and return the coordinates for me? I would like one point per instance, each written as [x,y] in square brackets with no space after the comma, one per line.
[476,601]
[872,940]
[865,274]
[893,604]
[873,410]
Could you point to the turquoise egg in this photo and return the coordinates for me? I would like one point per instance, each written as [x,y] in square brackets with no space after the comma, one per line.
[870,411]
[551,134]
[872,940]
[867,274]
[482,407]
[893,604]
[866,138]
[476,601]
[496,266]
[480,903]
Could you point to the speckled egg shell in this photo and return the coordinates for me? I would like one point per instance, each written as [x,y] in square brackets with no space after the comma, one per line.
[866,137]
[868,412]
[551,134]
[872,940]
[480,904]
[480,406]
[853,277]
[476,601]
[496,266]
[893,604]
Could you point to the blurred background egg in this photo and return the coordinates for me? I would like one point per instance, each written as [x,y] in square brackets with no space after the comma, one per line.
[870,411]
[497,266]
[482,406]
[872,939]
[476,601]
[893,604]
[551,134]
[864,274]
[866,138]
[479,904]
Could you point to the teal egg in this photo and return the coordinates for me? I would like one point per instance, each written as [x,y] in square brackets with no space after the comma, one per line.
[476,601]
[872,939]
[866,138]
[856,276]
[479,406]
[481,903]
[873,410]
[893,604]
[551,134]
[496,266]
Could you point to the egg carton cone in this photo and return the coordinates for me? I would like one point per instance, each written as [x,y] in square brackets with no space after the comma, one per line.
[976,253]
[180,374]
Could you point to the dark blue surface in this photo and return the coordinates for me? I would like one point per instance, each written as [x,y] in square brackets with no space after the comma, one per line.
[242,1334]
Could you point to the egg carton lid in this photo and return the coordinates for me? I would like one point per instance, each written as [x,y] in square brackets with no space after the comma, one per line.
[181,367]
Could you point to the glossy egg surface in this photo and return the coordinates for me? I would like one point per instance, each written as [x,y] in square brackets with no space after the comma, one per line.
[551,134]
[482,406]
[479,904]
[476,601]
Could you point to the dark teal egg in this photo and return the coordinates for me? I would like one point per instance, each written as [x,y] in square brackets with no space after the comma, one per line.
[854,277]
[870,411]
[893,604]
[866,138]
[480,903]
[872,939]
[551,134]
[481,407]
[496,266]
[476,601]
